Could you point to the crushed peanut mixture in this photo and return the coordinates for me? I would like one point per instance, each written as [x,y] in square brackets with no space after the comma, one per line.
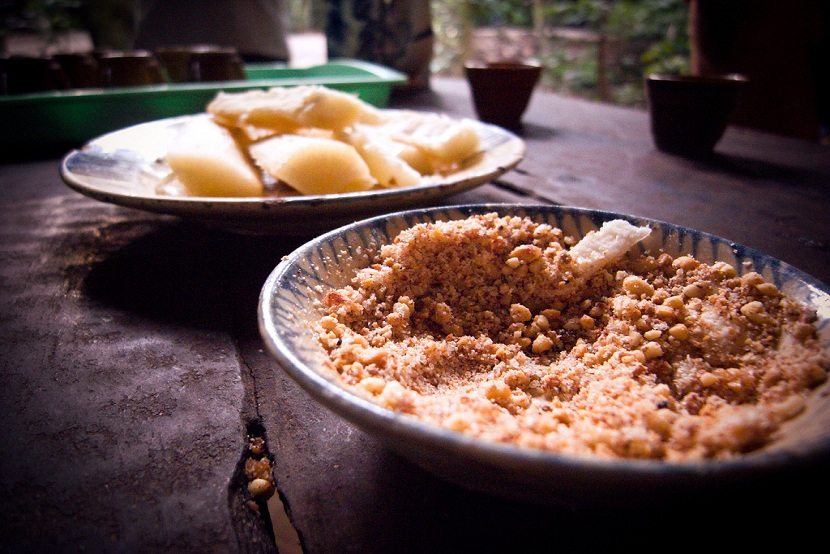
[486,326]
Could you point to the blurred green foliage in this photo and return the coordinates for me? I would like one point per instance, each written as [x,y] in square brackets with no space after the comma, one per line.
[39,16]
[499,12]
[594,48]
[110,23]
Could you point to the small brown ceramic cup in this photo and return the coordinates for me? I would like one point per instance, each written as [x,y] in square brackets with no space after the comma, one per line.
[129,69]
[689,114]
[30,74]
[175,61]
[80,68]
[216,64]
[501,90]
[201,63]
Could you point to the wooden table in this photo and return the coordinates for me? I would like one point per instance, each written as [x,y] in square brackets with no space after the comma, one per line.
[131,367]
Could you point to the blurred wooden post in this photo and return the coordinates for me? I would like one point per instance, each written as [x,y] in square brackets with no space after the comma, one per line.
[603,85]
[778,45]
[538,17]
[465,29]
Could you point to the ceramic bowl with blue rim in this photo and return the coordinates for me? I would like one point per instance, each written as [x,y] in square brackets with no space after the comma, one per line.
[289,304]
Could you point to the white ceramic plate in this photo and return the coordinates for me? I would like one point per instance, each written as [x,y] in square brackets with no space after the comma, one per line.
[125,167]
[291,298]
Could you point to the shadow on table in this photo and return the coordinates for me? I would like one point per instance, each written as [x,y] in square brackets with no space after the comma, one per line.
[188,274]
[428,515]
[13,154]
[751,168]
[531,131]
[402,508]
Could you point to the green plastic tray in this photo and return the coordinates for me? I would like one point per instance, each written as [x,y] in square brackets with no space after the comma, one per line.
[44,122]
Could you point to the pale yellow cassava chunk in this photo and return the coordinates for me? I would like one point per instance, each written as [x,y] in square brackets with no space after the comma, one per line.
[284,109]
[332,109]
[207,161]
[233,109]
[385,138]
[382,155]
[416,158]
[247,134]
[313,165]
[444,141]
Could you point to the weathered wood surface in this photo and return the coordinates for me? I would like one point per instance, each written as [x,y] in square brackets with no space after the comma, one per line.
[130,363]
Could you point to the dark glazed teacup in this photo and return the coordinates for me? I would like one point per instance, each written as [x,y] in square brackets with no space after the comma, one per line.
[30,74]
[175,60]
[80,67]
[129,69]
[689,114]
[501,90]
[191,63]
[216,64]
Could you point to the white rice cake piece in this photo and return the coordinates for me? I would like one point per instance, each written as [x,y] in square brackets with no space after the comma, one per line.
[285,109]
[313,165]
[606,245]
[207,161]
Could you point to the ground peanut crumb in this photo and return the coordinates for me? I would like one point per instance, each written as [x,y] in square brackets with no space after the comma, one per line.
[489,326]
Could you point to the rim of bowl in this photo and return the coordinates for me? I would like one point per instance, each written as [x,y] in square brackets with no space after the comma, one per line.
[510,64]
[715,78]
